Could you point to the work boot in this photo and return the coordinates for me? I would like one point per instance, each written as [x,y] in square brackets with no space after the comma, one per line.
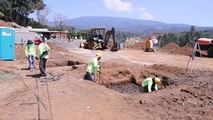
[43,76]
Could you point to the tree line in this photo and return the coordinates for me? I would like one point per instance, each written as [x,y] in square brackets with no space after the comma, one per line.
[184,38]
[18,11]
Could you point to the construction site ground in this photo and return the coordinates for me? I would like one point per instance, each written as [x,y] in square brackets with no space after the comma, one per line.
[188,94]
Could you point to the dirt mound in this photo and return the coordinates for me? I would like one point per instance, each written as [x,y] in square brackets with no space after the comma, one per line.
[4,24]
[175,49]
[169,48]
[115,73]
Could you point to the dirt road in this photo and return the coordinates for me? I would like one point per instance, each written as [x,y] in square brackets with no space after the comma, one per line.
[114,97]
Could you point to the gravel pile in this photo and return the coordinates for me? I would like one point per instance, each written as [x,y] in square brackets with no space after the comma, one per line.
[65,44]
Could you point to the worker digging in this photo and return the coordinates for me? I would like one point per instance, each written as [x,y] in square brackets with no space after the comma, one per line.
[150,84]
[93,67]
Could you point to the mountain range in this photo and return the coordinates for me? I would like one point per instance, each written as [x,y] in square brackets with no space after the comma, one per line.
[130,25]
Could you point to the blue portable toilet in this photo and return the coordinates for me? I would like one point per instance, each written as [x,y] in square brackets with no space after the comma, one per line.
[7,43]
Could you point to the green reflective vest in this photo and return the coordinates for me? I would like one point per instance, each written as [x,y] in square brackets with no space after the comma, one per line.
[42,48]
[30,50]
[148,82]
[93,66]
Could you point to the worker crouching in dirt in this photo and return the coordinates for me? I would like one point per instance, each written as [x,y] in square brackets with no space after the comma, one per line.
[30,53]
[92,67]
[150,84]
[43,49]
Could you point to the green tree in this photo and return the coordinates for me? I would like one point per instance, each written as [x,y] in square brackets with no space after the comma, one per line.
[85,34]
[182,41]
[6,8]
[1,15]
[42,14]
[18,10]
[192,31]
[184,38]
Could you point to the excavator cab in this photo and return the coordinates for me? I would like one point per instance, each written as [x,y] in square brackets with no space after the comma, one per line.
[99,39]
[96,39]
[98,32]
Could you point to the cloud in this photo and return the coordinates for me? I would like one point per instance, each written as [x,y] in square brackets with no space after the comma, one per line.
[118,5]
[145,14]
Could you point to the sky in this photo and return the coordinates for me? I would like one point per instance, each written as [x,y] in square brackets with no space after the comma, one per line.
[192,12]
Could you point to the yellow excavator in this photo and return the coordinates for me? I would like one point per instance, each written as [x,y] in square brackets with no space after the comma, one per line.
[151,44]
[99,40]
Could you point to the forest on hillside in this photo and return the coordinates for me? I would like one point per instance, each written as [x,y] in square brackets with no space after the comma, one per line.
[19,10]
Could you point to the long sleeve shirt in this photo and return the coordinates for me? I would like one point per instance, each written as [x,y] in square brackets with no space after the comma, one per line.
[93,66]
[148,82]
[30,50]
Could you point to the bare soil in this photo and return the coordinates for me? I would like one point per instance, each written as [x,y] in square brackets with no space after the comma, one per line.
[188,94]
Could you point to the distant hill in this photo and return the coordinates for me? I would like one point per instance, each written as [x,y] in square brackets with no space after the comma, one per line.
[130,25]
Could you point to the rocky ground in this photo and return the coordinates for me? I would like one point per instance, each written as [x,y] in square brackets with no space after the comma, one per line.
[187,96]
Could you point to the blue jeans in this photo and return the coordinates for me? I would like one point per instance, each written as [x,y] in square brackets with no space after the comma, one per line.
[90,76]
[31,60]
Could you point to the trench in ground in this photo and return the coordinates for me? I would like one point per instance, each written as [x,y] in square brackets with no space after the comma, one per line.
[128,86]
[128,81]
[62,62]
[135,88]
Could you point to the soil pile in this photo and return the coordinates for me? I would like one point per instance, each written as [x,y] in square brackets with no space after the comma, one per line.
[175,49]
[171,48]
[4,24]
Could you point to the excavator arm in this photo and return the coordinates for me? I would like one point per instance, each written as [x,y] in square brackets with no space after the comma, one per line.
[107,36]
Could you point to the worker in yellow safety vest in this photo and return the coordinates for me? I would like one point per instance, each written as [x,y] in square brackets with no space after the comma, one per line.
[150,84]
[30,53]
[93,67]
[42,55]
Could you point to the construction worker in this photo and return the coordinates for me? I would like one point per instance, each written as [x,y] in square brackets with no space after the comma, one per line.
[37,40]
[92,67]
[30,53]
[43,49]
[150,84]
